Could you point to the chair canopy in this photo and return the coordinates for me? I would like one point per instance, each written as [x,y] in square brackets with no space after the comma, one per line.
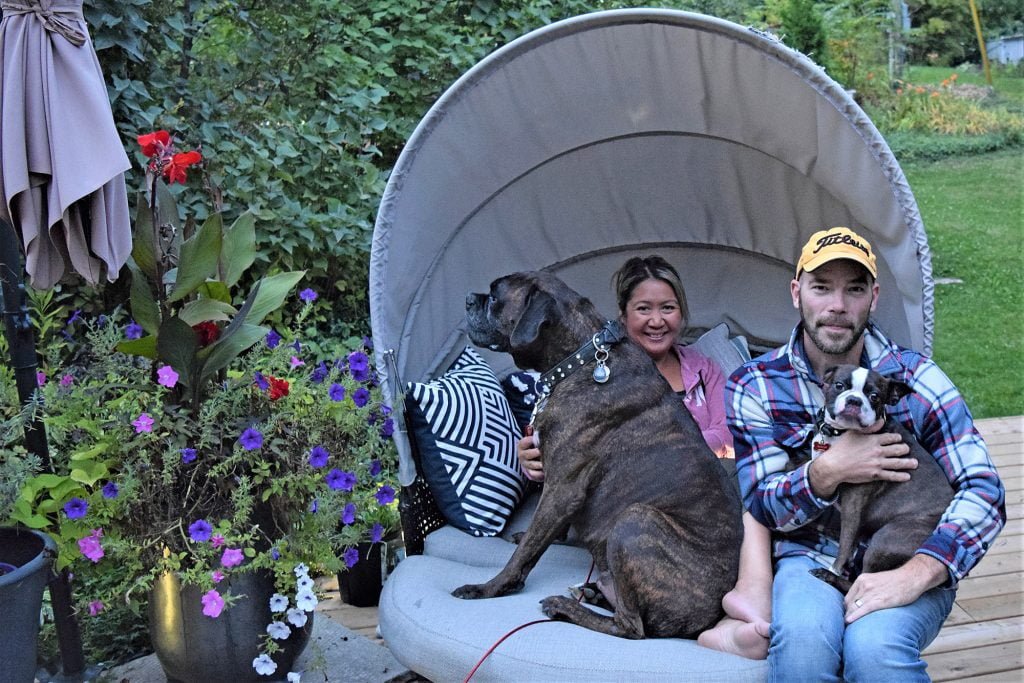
[632,132]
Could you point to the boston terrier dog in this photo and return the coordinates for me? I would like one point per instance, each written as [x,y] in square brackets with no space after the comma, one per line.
[893,518]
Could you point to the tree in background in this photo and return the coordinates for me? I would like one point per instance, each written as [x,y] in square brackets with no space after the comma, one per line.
[803,29]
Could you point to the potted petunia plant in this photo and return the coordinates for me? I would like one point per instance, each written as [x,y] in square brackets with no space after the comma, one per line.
[208,467]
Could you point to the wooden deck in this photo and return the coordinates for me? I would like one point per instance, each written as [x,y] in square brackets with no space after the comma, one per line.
[983,639]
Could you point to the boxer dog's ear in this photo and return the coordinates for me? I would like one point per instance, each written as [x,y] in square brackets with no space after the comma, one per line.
[895,390]
[540,309]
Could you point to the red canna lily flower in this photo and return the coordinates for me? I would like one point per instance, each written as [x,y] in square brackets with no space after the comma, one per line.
[208,332]
[175,169]
[153,143]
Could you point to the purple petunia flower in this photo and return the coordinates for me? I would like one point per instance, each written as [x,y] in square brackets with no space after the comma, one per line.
[314,506]
[275,554]
[76,508]
[318,456]
[110,490]
[250,439]
[336,392]
[376,532]
[340,480]
[260,381]
[75,317]
[133,330]
[188,455]
[359,366]
[351,556]
[385,494]
[319,373]
[67,380]
[348,515]
[200,530]
[375,468]
[388,428]
[361,397]
[367,343]
[308,295]
[40,377]
[273,339]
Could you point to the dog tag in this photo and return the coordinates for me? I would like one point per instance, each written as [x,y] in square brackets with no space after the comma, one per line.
[601,373]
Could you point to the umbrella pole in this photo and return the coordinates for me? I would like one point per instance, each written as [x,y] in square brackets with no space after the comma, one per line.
[22,348]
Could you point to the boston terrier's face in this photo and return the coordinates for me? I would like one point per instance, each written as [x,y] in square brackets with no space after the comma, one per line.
[855,397]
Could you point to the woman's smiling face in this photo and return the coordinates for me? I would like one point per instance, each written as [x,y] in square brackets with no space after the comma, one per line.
[653,317]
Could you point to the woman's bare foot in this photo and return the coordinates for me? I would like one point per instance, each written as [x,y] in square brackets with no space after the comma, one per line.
[752,606]
[737,637]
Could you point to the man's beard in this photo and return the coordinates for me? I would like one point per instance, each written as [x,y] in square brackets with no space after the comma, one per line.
[823,342]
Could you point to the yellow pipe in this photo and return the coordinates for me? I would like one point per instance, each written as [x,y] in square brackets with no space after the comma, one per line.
[981,42]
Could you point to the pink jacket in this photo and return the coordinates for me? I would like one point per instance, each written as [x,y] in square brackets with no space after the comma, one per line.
[703,385]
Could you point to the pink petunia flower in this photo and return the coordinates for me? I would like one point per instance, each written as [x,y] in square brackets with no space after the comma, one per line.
[40,377]
[216,540]
[67,380]
[217,575]
[143,423]
[232,557]
[90,545]
[213,604]
[297,362]
[95,607]
[166,376]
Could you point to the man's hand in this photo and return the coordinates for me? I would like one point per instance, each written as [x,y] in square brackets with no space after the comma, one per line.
[857,458]
[530,459]
[894,588]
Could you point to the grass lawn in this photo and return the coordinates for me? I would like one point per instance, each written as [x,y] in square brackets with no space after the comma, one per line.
[974,216]
[1008,88]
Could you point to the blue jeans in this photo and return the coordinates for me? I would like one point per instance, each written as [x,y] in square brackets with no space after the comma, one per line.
[811,642]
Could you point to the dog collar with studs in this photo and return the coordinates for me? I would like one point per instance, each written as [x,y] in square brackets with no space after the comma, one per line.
[594,350]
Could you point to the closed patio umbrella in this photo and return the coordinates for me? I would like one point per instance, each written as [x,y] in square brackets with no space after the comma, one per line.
[64,202]
[62,162]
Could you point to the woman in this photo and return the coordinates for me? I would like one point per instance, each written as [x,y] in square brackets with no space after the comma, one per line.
[652,306]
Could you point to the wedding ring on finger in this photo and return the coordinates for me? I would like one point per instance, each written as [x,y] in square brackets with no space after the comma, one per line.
[858,602]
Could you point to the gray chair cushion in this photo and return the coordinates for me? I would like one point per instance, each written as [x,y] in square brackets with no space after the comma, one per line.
[443,638]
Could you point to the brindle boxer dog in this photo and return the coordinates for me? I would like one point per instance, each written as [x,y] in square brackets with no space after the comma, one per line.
[624,463]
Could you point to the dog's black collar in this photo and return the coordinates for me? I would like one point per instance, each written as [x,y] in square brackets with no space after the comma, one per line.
[825,428]
[596,349]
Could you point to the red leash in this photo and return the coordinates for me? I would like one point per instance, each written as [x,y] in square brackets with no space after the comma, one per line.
[492,648]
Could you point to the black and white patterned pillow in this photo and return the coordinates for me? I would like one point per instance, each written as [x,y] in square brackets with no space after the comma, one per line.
[466,436]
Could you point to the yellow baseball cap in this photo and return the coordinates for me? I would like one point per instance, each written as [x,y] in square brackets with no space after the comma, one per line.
[836,243]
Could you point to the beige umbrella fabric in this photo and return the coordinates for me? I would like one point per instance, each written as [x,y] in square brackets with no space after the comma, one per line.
[62,162]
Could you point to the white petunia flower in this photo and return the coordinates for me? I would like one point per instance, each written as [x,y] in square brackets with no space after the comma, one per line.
[278,603]
[294,677]
[301,570]
[305,600]
[296,617]
[264,665]
[304,584]
[278,630]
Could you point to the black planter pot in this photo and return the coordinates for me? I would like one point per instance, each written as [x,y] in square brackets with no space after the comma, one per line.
[360,585]
[195,648]
[25,560]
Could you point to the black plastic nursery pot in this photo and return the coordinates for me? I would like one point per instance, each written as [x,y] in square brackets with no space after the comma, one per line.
[26,557]
[360,584]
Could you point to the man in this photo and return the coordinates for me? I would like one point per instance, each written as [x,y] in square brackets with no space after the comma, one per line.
[878,630]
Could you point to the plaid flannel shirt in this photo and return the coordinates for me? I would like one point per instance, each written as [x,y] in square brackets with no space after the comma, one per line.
[771,404]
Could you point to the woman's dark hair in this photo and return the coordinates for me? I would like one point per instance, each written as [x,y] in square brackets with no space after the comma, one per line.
[636,270]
